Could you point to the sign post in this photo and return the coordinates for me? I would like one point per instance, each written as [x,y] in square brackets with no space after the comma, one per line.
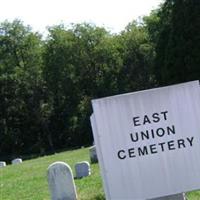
[149,142]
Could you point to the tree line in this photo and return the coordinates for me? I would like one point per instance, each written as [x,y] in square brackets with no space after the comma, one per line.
[46,85]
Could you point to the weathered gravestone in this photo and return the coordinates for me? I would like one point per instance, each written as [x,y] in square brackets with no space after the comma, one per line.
[61,182]
[2,164]
[149,142]
[93,154]
[82,169]
[16,161]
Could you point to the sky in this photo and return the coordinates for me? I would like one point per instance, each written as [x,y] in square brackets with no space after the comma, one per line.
[112,14]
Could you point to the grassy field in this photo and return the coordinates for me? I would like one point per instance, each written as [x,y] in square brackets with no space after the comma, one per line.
[28,181]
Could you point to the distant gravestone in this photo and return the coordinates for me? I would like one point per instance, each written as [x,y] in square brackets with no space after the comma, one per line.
[93,154]
[82,169]
[16,161]
[61,182]
[2,164]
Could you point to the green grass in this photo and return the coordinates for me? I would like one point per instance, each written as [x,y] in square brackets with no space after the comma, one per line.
[28,181]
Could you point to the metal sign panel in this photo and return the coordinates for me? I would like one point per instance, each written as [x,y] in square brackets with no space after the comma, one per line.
[149,142]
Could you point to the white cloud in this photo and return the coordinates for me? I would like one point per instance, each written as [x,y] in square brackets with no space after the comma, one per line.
[115,14]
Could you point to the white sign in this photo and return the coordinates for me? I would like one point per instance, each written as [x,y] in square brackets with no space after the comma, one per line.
[148,142]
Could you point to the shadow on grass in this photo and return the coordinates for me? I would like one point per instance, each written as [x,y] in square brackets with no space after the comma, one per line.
[99,197]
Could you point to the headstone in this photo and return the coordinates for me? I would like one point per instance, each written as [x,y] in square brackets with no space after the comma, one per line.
[16,161]
[147,136]
[93,154]
[61,182]
[2,164]
[82,169]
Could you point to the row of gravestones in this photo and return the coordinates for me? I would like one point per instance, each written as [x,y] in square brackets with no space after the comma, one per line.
[92,150]
[60,177]
[15,161]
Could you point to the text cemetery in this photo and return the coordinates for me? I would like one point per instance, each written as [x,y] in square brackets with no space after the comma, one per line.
[147,134]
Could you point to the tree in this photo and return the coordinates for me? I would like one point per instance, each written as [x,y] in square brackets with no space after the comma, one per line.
[137,55]
[97,68]
[80,64]
[20,92]
[178,45]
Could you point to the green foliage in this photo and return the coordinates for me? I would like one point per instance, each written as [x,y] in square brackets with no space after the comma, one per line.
[137,55]
[46,86]
[178,42]
[20,86]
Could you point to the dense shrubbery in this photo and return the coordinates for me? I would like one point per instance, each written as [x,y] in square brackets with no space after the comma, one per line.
[46,85]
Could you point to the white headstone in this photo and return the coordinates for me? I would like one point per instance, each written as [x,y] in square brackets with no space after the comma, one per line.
[93,154]
[2,164]
[149,141]
[82,169]
[17,161]
[61,182]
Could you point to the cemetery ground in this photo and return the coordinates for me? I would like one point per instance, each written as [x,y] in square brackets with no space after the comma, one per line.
[28,181]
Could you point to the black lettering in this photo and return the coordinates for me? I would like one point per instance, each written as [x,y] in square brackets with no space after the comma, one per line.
[134,139]
[181,142]
[152,133]
[153,148]
[160,132]
[144,136]
[142,151]
[171,130]
[156,117]
[120,154]
[171,145]
[164,114]
[161,144]
[146,120]
[131,153]
[190,140]
[136,121]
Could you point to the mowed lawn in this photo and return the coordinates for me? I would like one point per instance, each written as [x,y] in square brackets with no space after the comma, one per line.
[28,181]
